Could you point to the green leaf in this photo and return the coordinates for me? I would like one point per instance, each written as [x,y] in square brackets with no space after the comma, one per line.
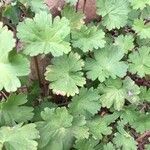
[24,2]
[142,124]
[13,111]
[19,137]
[79,128]
[54,129]
[42,34]
[139,4]
[37,5]
[147,147]
[76,18]
[59,129]
[133,14]
[145,13]
[86,103]
[12,65]
[142,29]
[114,92]
[109,146]
[114,12]
[72,2]
[140,61]
[124,140]
[129,115]
[12,13]
[138,120]
[124,43]
[99,126]
[65,74]
[145,94]
[143,42]
[86,144]
[106,63]
[88,38]
[38,109]
[34,90]
[7,43]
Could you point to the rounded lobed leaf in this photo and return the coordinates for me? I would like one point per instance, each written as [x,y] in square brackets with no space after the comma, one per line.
[42,34]
[7,43]
[88,38]
[106,63]
[14,111]
[58,129]
[76,19]
[19,137]
[65,74]
[12,64]
[86,103]
[124,43]
[139,4]
[114,92]
[114,12]
[140,61]
[142,29]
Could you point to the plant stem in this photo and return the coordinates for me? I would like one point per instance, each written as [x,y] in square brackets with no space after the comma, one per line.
[140,138]
[3,94]
[77,6]
[84,5]
[1,9]
[37,70]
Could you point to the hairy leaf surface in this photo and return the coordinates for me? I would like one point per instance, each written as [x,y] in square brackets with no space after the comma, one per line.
[140,61]
[59,129]
[142,29]
[88,38]
[65,74]
[114,92]
[19,137]
[42,34]
[86,103]
[106,63]
[12,64]
[114,12]
[13,111]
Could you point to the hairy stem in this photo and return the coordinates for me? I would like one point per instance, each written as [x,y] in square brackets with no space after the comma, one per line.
[3,94]
[140,138]
[77,6]
[37,70]
[84,5]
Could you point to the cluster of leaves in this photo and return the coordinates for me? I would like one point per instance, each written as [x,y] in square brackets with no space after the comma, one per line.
[93,66]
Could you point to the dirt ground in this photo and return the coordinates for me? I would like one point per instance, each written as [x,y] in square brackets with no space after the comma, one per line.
[87,6]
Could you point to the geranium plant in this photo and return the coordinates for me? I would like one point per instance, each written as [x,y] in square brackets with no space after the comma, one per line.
[93,92]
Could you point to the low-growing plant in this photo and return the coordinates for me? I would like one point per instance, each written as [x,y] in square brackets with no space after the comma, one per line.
[93,91]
